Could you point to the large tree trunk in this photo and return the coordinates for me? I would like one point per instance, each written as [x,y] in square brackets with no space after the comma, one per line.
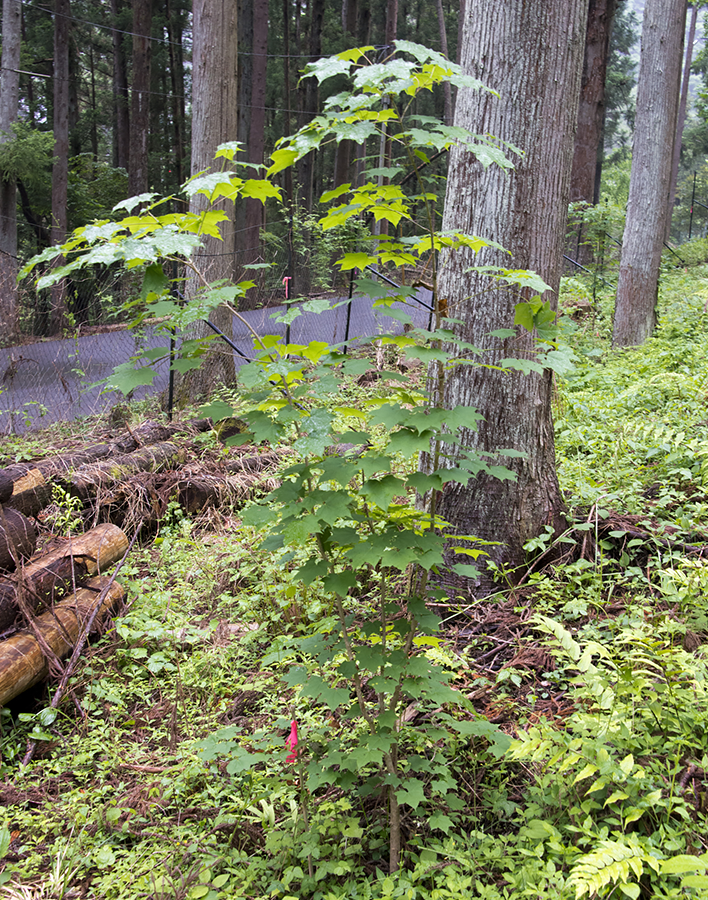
[532,55]
[60,169]
[654,133]
[587,156]
[214,121]
[681,120]
[140,98]
[9,100]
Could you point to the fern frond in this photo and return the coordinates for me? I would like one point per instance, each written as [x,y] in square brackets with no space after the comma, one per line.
[611,862]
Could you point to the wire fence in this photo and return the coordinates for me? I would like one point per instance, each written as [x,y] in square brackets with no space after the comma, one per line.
[45,380]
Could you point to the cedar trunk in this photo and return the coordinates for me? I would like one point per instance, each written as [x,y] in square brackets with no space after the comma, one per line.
[9,99]
[532,55]
[214,121]
[60,169]
[587,155]
[140,98]
[654,132]
[681,120]
[121,109]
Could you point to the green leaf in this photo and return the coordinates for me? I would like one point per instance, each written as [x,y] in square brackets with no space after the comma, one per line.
[412,793]
[260,189]
[440,822]
[678,865]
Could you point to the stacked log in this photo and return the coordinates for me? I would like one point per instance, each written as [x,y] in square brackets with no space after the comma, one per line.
[18,539]
[87,481]
[48,576]
[22,659]
[31,483]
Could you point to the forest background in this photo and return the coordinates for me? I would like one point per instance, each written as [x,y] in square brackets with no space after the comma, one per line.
[105,107]
[172,779]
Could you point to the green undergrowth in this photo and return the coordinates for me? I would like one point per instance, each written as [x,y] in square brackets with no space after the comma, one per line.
[580,772]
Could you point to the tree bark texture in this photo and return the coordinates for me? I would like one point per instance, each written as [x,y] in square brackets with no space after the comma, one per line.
[18,538]
[49,576]
[681,119]
[532,55]
[60,168]
[652,149]
[140,98]
[214,121]
[22,659]
[9,100]
[253,59]
[584,183]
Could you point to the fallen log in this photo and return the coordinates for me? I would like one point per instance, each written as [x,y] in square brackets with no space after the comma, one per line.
[48,576]
[6,487]
[18,539]
[87,481]
[22,659]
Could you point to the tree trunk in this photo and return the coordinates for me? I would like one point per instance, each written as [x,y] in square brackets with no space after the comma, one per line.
[9,100]
[532,55]
[447,87]
[214,121]
[584,184]
[140,98]
[253,59]
[681,121]
[60,169]
[654,133]
[22,659]
[175,32]
[121,109]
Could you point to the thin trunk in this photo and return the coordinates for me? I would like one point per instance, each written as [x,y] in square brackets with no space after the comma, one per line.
[591,109]
[447,88]
[681,119]
[9,101]
[60,169]
[346,150]
[121,107]
[663,32]
[532,55]
[140,98]
[94,111]
[256,137]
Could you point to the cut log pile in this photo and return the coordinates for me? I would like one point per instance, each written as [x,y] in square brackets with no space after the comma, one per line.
[51,599]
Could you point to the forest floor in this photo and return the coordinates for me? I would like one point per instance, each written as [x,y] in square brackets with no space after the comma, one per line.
[592,778]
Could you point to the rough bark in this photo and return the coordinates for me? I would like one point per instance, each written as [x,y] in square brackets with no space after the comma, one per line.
[447,88]
[584,181]
[532,55]
[9,99]
[88,481]
[214,121]
[681,119]
[654,132]
[60,168]
[140,98]
[49,576]
[18,538]
[22,659]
